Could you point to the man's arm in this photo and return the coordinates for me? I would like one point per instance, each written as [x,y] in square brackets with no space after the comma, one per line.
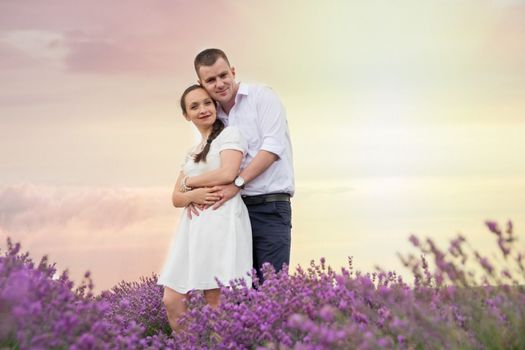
[257,166]
[262,161]
[272,124]
[225,174]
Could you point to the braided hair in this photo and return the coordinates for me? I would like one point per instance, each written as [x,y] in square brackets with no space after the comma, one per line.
[217,127]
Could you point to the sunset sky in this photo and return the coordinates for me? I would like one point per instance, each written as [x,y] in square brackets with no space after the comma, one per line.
[406,117]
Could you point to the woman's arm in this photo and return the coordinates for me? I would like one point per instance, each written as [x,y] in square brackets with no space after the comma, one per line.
[198,196]
[230,164]
[178,198]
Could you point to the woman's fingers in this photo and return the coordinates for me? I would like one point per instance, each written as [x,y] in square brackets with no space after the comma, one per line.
[208,196]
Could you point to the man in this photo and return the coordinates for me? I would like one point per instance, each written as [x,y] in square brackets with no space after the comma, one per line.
[266,179]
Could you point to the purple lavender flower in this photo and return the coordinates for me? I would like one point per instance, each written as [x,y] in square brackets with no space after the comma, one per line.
[311,308]
[493,227]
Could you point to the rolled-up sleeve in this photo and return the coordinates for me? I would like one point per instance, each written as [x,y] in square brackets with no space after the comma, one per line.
[272,121]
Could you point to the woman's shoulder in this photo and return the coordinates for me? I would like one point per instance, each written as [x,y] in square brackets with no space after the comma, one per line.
[188,156]
[231,135]
[230,132]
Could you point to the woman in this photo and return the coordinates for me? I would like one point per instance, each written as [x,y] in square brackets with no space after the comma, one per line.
[216,243]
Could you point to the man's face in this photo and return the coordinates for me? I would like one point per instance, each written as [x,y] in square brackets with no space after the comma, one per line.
[219,80]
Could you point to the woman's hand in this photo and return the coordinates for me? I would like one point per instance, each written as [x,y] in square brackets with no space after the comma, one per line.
[204,196]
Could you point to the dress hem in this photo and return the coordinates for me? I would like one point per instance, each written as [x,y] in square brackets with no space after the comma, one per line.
[186,290]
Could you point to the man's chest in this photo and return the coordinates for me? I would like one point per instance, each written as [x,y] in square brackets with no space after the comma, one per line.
[246,120]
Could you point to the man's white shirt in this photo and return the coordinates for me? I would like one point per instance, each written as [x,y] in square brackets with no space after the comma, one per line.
[261,119]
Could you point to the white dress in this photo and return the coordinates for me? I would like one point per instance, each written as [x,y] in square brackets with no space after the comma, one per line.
[215,244]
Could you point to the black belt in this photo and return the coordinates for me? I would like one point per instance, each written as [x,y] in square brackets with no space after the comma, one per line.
[266,198]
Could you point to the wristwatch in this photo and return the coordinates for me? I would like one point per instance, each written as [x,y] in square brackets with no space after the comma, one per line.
[239,182]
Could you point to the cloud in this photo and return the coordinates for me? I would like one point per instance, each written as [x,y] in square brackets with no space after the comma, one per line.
[30,208]
[12,58]
[124,38]
[116,233]
[22,50]
[91,53]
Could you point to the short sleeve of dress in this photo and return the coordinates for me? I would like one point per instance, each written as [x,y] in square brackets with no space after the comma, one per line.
[187,158]
[184,161]
[231,138]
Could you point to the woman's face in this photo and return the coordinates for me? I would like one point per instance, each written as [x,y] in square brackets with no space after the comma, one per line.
[200,108]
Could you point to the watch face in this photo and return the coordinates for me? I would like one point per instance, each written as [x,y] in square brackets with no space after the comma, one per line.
[239,181]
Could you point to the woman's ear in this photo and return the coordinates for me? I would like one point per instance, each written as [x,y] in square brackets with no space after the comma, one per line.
[186,117]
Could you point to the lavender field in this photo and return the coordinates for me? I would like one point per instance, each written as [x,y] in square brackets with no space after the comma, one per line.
[457,299]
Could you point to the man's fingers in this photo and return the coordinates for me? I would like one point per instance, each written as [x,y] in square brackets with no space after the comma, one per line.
[193,210]
[218,204]
[215,189]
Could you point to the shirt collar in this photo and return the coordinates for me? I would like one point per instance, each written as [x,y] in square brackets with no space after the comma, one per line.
[243,90]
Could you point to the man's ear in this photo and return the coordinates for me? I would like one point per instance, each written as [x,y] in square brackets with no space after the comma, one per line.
[233,71]
[199,82]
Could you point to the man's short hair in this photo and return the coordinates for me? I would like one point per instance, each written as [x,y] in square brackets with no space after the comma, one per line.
[208,57]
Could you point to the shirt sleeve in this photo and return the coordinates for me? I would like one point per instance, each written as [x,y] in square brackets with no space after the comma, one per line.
[272,121]
[231,138]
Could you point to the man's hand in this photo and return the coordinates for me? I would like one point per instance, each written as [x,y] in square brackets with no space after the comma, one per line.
[226,192]
[203,198]
[192,210]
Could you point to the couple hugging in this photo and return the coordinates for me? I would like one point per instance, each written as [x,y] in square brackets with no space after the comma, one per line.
[235,186]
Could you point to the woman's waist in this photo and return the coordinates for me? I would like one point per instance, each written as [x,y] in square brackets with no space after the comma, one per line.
[234,203]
